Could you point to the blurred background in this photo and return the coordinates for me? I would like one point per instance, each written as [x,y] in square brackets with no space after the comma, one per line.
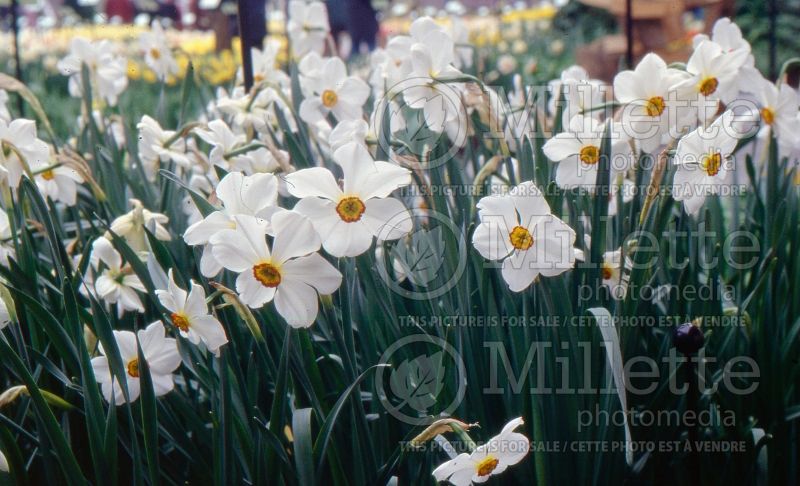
[536,39]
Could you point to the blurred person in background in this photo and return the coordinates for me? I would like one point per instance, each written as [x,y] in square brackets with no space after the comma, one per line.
[358,19]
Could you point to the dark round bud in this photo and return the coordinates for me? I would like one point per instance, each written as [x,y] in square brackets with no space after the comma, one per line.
[688,338]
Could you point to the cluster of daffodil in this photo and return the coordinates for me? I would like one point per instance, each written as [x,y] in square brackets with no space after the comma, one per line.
[279,224]
[216,67]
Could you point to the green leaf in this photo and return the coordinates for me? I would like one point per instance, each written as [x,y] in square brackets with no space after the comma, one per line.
[303,445]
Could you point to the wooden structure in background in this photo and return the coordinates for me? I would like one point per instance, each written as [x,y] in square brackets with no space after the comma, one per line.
[658,26]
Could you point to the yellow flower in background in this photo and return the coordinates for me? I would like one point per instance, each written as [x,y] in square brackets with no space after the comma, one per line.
[134,69]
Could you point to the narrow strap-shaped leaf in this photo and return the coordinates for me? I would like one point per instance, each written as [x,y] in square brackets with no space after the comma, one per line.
[614,354]
[321,445]
[303,445]
[55,434]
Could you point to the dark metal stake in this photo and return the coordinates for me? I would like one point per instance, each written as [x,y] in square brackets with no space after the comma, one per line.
[773,40]
[252,30]
[17,61]
[629,33]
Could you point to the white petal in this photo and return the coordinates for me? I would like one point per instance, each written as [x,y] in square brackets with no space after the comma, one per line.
[313,270]
[252,292]
[313,182]
[562,146]
[294,236]
[297,303]
[491,239]
[348,239]
[211,332]
[519,270]
[388,219]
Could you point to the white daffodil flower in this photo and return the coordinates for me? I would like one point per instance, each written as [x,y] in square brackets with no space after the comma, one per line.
[157,145]
[392,65]
[108,72]
[131,226]
[712,76]
[779,110]
[333,92]
[729,37]
[581,94]
[489,459]
[650,113]
[307,27]
[255,195]
[18,139]
[160,353]
[703,161]
[612,274]
[3,463]
[519,229]
[189,313]
[59,183]
[116,283]
[432,61]
[347,131]
[626,187]
[348,218]
[266,68]
[5,115]
[222,140]
[5,314]
[247,113]
[157,54]
[6,245]
[291,273]
[577,150]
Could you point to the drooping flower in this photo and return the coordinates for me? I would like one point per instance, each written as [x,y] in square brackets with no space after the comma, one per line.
[157,54]
[108,72]
[650,113]
[189,313]
[489,459]
[518,229]
[333,91]
[160,354]
[132,224]
[18,139]
[307,27]
[703,161]
[291,272]
[255,195]
[157,146]
[577,150]
[116,283]
[348,218]
[431,63]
